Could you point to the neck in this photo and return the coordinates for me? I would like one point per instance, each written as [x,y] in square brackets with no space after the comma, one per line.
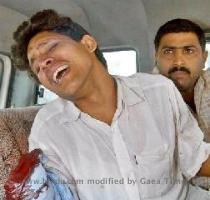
[100,97]
[188,97]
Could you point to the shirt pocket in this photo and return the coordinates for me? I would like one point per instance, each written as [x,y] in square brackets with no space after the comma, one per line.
[154,168]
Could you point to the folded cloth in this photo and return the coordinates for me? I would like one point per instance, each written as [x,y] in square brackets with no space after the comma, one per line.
[30,180]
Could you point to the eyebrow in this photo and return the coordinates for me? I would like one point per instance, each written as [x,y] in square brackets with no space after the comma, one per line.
[42,44]
[179,47]
[39,45]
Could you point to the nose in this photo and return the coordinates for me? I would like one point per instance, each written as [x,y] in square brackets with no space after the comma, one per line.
[178,58]
[45,62]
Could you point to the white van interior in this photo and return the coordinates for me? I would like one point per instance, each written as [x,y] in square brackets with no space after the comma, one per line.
[124,29]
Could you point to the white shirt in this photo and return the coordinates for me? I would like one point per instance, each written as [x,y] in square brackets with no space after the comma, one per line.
[151,149]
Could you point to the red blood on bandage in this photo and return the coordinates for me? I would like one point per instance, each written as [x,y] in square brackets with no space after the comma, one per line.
[14,186]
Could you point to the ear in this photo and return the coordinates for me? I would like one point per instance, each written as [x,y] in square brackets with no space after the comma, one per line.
[89,42]
[156,58]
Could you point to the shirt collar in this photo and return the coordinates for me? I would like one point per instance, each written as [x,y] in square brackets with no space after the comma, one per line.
[205,76]
[202,84]
[131,92]
[69,112]
[128,92]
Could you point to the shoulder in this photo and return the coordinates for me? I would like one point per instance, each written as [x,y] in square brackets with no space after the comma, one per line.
[147,81]
[45,122]
[206,74]
[49,112]
[155,89]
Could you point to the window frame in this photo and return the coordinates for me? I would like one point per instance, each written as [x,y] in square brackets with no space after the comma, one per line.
[207,37]
[6,79]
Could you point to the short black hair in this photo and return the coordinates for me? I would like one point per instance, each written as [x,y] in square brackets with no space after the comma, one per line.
[45,20]
[180,25]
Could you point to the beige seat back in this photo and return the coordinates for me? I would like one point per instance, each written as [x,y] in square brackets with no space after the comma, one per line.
[15,125]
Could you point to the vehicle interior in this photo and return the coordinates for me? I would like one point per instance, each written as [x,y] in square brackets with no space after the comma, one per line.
[124,29]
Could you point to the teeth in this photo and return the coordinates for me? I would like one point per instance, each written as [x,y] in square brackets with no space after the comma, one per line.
[57,71]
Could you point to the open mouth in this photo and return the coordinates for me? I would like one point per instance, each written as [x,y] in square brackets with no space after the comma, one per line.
[60,73]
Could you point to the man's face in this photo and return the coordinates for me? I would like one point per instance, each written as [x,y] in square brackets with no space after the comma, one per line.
[180,58]
[61,64]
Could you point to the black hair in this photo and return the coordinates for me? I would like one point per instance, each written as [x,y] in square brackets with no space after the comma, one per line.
[45,20]
[180,25]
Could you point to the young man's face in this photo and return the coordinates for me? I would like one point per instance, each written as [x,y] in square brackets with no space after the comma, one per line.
[60,63]
[180,58]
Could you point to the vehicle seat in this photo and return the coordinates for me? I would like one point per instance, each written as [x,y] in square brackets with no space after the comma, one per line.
[15,125]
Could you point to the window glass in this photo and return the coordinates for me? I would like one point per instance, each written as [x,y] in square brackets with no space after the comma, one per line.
[45,95]
[207,64]
[121,62]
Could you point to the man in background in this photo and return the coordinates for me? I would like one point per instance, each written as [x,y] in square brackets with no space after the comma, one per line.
[181,55]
